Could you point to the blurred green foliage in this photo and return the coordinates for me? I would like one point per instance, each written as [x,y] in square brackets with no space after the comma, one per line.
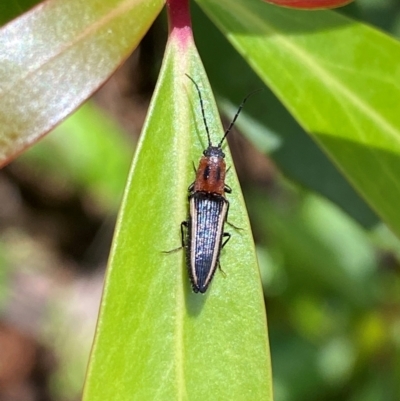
[11,9]
[88,152]
[4,270]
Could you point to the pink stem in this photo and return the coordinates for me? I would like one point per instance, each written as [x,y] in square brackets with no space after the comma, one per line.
[179,15]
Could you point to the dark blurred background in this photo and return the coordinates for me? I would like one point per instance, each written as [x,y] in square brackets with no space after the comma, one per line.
[330,268]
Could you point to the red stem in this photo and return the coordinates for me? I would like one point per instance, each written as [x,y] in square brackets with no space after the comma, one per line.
[178,14]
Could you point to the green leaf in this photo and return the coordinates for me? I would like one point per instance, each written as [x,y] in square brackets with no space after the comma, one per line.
[224,65]
[156,339]
[56,56]
[339,79]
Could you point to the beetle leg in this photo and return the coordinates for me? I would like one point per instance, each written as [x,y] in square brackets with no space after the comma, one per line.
[227,209]
[227,239]
[226,219]
[233,226]
[220,269]
[183,224]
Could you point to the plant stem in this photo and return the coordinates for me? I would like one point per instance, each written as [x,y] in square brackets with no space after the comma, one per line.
[179,15]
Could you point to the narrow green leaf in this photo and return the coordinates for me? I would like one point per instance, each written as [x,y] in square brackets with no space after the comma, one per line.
[55,56]
[224,66]
[338,77]
[156,339]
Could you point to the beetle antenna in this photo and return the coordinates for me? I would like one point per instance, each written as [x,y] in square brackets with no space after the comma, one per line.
[202,109]
[237,115]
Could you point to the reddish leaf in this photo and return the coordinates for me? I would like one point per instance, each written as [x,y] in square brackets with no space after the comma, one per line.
[56,55]
[310,4]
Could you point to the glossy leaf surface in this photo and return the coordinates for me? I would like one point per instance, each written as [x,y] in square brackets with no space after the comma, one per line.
[231,79]
[55,56]
[338,78]
[155,338]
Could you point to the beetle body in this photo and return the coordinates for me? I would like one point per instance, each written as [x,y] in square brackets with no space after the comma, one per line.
[208,211]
